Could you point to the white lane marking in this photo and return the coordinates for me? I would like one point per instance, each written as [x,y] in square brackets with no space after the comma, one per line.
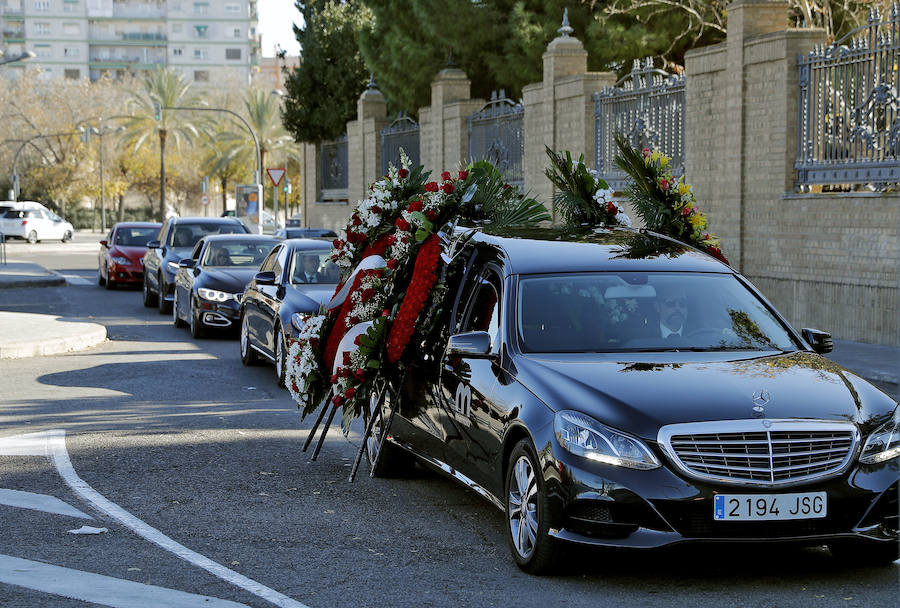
[72,279]
[39,502]
[97,588]
[52,443]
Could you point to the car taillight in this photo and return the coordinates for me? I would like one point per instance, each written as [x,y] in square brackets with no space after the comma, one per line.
[24,222]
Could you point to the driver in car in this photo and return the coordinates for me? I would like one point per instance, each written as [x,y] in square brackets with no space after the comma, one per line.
[671,306]
[222,257]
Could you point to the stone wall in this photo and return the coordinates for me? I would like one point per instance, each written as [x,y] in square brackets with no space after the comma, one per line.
[829,261]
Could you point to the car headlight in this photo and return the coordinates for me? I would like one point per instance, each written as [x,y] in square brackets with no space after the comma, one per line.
[214,295]
[298,321]
[172,266]
[120,259]
[586,437]
[884,443]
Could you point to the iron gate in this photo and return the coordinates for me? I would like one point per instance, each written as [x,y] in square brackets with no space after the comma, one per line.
[849,110]
[497,134]
[647,107]
[333,157]
[402,133]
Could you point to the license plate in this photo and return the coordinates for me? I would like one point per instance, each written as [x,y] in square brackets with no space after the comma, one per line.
[767,507]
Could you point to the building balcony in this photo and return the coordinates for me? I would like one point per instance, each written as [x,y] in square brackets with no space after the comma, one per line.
[17,34]
[144,36]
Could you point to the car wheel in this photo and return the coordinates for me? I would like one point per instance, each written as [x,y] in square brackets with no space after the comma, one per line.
[110,284]
[248,355]
[176,320]
[149,297]
[280,357]
[866,553]
[394,461]
[67,236]
[527,530]
[197,329]
[32,237]
[100,280]
[161,297]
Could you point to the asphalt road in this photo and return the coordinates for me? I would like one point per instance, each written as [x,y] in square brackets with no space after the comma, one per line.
[181,436]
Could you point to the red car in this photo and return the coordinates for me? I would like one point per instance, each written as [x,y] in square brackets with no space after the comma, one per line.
[119,262]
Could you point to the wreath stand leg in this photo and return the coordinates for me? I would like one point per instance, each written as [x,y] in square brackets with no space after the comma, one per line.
[312,431]
[325,428]
[365,440]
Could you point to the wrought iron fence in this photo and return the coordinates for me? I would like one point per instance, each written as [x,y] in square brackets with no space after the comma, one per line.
[333,157]
[402,133]
[497,134]
[647,107]
[849,110]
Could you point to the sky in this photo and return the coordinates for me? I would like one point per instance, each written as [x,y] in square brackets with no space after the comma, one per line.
[275,20]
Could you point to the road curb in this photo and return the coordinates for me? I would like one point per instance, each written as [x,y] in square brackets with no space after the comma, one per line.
[50,281]
[77,336]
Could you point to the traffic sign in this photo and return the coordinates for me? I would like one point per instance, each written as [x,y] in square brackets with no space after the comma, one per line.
[275,175]
[204,200]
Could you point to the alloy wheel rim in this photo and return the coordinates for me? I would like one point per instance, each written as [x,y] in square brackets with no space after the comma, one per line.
[375,436]
[279,355]
[522,507]
[245,338]
[175,308]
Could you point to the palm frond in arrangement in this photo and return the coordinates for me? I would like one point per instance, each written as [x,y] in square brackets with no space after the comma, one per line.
[496,201]
[581,196]
[666,204]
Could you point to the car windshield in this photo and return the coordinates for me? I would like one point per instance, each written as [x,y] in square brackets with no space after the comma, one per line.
[643,311]
[237,253]
[313,266]
[187,235]
[135,237]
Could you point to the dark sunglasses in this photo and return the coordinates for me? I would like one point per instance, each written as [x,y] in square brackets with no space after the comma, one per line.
[673,302]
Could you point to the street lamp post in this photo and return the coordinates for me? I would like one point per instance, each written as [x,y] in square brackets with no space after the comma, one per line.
[259,170]
[14,58]
[100,131]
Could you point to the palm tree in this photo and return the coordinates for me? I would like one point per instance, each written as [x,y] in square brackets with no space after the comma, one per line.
[263,114]
[226,163]
[160,89]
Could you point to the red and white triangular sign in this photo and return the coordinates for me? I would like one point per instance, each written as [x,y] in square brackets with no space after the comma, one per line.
[275,175]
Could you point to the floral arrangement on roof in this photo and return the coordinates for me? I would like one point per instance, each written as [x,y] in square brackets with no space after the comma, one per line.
[582,197]
[392,258]
[665,203]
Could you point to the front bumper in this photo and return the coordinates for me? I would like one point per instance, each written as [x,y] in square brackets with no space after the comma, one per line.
[218,314]
[596,504]
[122,273]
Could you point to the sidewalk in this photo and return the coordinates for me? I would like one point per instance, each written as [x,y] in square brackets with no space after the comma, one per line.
[24,274]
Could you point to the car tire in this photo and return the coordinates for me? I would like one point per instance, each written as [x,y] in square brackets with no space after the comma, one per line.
[280,357]
[32,237]
[198,331]
[110,284]
[67,236]
[527,529]
[149,297]
[161,297]
[394,461]
[176,320]
[100,280]
[248,355]
[865,553]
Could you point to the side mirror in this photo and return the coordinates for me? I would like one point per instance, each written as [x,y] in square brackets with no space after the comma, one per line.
[104,243]
[475,344]
[265,278]
[153,245]
[187,263]
[820,341]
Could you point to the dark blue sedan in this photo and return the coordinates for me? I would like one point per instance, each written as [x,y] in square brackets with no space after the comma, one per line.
[210,283]
[296,279]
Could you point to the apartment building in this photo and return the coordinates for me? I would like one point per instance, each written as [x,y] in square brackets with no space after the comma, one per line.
[209,41]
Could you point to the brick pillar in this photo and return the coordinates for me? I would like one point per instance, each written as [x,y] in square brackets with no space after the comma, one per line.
[746,18]
[443,129]
[559,112]
[364,143]
[309,193]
